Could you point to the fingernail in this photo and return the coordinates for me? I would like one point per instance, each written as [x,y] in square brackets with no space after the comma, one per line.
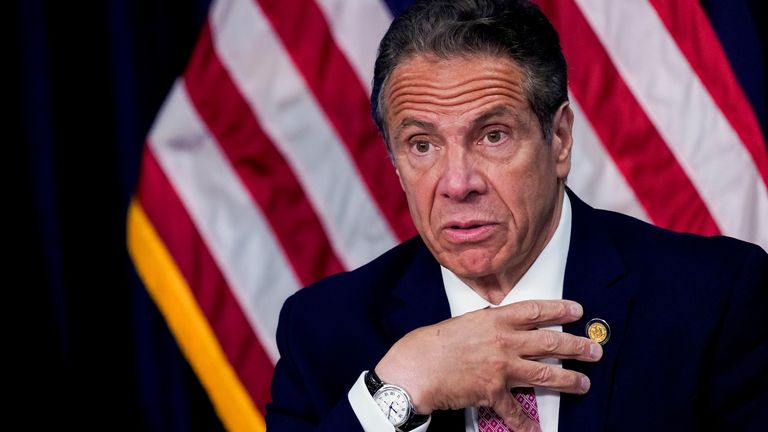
[595,351]
[585,384]
[576,309]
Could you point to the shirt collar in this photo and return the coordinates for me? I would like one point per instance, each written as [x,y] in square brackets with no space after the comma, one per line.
[543,280]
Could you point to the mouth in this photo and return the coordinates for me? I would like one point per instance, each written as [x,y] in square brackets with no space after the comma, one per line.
[468,231]
[467,226]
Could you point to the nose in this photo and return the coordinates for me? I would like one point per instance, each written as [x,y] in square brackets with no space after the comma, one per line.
[461,178]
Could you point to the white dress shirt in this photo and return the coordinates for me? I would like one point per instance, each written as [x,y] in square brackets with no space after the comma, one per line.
[543,280]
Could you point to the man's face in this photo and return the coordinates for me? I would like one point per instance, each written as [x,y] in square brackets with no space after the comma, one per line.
[483,187]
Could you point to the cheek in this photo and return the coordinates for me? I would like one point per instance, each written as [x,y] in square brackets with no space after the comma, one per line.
[517,196]
[510,186]
[418,194]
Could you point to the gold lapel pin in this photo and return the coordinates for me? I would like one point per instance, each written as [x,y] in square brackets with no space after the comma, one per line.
[598,330]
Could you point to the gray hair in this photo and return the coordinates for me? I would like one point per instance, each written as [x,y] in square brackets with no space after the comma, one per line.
[516,29]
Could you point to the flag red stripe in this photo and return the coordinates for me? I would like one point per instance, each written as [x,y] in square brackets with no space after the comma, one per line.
[650,169]
[338,91]
[689,26]
[265,173]
[177,231]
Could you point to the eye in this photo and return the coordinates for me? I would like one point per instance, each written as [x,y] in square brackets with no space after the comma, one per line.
[494,136]
[421,146]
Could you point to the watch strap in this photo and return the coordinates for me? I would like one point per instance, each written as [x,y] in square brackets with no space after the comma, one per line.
[412,423]
[373,382]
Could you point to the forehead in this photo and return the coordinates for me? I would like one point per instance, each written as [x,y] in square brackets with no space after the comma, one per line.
[429,85]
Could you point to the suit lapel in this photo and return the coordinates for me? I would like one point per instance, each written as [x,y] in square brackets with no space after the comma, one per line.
[419,300]
[594,277]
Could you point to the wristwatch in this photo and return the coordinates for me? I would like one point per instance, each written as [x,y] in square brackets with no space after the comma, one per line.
[395,403]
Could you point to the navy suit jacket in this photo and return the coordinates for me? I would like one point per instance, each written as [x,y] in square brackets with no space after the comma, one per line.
[688,348]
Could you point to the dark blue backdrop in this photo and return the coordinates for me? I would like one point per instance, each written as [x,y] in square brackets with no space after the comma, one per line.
[91,77]
[87,79]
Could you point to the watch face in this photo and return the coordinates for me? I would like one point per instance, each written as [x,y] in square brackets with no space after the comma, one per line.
[394,404]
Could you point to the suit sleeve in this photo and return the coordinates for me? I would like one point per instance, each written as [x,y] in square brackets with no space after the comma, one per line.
[739,388]
[292,408]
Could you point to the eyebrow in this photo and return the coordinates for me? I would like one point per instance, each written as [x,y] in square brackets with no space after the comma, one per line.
[497,111]
[500,110]
[410,121]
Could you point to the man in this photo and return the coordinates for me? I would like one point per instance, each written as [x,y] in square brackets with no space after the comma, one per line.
[517,305]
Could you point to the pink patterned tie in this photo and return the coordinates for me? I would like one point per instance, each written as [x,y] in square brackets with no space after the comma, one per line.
[489,421]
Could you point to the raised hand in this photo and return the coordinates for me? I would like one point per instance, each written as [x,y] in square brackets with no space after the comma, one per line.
[476,358]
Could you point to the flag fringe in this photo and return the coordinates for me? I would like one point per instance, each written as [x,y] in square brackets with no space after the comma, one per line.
[187,321]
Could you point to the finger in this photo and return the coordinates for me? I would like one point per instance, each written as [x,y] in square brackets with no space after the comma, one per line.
[552,377]
[513,415]
[531,314]
[537,344]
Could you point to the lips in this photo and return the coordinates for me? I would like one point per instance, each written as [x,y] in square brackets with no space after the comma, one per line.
[468,231]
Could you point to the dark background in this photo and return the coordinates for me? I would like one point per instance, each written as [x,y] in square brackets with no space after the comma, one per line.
[88,347]
[89,78]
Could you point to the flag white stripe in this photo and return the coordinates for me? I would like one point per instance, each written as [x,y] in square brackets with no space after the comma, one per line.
[234,230]
[696,131]
[357,27]
[296,124]
[594,175]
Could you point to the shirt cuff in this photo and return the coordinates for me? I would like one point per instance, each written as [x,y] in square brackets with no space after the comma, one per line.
[368,413]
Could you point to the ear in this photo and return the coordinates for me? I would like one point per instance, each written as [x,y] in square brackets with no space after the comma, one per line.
[399,178]
[562,139]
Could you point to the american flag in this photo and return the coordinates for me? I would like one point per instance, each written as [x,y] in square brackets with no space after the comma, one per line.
[264,171]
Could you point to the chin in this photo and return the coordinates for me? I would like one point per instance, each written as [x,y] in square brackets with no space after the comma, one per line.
[471,264]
